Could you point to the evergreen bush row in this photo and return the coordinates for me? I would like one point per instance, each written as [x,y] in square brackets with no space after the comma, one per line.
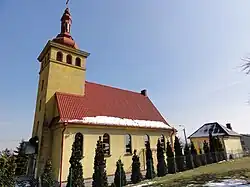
[174,161]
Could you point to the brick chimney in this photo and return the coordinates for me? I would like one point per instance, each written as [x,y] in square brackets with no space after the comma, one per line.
[144,92]
[229,126]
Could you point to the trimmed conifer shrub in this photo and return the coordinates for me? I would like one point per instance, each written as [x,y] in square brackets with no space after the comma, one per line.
[217,151]
[120,175]
[196,158]
[170,159]
[202,157]
[161,165]
[212,147]
[99,175]
[179,157]
[75,177]
[207,152]
[21,160]
[136,175]
[47,175]
[189,158]
[150,173]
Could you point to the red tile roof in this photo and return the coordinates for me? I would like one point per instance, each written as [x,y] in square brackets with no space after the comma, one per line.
[101,100]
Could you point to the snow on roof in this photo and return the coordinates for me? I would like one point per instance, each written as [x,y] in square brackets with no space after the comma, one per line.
[215,128]
[107,120]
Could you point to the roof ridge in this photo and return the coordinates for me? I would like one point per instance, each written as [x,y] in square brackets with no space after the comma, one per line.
[112,87]
[103,85]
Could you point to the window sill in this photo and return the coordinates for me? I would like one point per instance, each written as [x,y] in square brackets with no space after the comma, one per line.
[128,154]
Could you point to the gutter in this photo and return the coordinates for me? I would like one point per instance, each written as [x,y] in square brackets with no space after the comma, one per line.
[61,159]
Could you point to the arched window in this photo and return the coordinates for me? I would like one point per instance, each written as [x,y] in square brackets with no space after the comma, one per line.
[78,62]
[106,144]
[79,141]
[69,59]
[128,142]
[59,56]
[146,139]
[163,143]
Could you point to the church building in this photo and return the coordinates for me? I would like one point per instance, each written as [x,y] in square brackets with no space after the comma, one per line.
[68,106]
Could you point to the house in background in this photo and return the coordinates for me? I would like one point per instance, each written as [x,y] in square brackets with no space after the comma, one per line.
[245,142]
[230,139]
[68,107]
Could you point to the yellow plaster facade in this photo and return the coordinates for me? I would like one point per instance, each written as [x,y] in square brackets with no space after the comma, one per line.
[56,139]
[117,147]
[232,144]
[55,76]
[198,142]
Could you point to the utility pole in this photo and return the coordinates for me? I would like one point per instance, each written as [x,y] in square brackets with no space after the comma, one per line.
[184,131]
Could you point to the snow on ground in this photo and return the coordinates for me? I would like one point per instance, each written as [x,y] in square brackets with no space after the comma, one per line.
[228,182]
[107,120]
[144,184]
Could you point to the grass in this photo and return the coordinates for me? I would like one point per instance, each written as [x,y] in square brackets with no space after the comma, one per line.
[237,168]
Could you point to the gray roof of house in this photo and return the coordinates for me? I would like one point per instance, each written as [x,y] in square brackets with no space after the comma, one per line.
[216,128]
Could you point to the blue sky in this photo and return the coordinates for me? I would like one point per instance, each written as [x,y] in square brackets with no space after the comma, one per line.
[185,53]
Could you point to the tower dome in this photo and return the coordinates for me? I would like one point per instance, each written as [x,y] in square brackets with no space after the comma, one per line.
[64,37]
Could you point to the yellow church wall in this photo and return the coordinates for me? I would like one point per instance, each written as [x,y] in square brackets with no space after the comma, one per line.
[41,95]
[57,77]
[54,77]
[65,79]
[55,152]
[117,147]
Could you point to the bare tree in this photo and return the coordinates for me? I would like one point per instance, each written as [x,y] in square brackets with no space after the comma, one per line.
[246,66]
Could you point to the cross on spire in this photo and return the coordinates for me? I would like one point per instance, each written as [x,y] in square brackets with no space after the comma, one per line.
[67,2]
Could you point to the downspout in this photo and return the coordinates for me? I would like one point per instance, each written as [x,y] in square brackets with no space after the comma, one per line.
[61,159]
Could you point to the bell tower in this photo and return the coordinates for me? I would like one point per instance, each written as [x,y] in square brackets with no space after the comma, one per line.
[62,69]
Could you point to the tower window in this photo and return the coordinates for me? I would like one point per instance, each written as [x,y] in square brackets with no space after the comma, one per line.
[69,59]
[59,56]
[37,126]
[42,85]
[78,62]
[106,144]
[128,144]
[40,103]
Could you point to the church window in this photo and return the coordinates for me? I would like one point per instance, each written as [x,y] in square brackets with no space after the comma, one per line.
[128,142]
[69,59]
[146,139]
[48,56]
[42,85]
[79,140]
[59,56]
[162,141]
[78,62]
[106,144]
